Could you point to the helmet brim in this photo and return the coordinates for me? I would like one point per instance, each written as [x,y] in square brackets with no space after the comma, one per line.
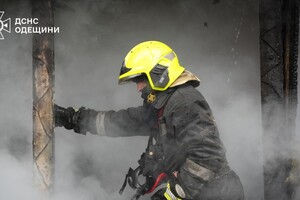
[128,79]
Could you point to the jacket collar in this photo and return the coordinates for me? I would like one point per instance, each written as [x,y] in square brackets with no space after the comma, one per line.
[162,98]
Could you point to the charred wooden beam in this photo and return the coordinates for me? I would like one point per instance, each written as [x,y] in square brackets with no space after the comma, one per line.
[43,84]
[278,46]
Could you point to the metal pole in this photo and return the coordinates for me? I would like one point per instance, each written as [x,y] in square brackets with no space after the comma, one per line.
[43,85]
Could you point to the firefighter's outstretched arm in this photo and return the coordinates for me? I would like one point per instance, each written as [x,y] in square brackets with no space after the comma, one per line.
[122,123]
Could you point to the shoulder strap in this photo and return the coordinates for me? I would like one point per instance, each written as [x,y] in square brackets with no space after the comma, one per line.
[160,112]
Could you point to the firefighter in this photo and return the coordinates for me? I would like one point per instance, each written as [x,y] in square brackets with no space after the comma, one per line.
[184,143]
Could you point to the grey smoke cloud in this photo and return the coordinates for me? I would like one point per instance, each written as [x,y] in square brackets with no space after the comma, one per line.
[93,40]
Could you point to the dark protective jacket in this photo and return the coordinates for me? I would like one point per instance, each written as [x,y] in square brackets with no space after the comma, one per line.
[192,135]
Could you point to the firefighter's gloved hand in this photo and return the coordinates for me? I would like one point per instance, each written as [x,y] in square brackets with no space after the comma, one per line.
[79,121]
[64,117]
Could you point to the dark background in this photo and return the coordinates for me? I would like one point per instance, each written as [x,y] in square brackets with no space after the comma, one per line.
[218,40]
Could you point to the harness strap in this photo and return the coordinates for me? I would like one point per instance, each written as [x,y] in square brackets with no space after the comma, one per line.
[158,181]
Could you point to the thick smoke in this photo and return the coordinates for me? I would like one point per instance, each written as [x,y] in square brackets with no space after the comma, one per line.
[216,40]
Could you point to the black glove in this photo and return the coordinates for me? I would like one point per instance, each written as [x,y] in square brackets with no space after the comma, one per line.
[64,117]
[79,120]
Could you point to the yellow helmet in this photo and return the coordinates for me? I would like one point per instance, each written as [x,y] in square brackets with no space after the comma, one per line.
[154,59]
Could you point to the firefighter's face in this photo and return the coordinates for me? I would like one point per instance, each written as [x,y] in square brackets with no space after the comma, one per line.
[141,85]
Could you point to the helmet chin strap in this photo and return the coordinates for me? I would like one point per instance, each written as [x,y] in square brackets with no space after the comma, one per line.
[148,94]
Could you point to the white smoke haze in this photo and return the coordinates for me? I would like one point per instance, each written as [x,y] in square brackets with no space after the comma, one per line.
[93,40]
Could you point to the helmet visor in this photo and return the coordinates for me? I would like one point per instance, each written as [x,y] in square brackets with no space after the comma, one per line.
[131,78]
